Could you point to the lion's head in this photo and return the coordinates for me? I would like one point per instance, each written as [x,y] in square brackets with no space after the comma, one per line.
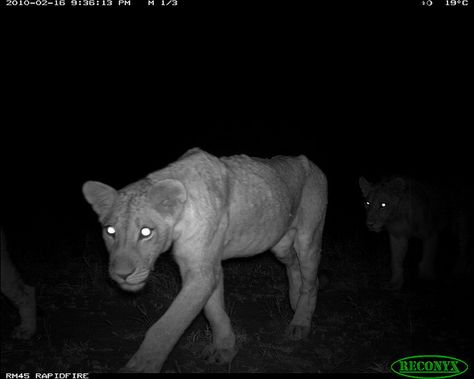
[137,224]
[381,201]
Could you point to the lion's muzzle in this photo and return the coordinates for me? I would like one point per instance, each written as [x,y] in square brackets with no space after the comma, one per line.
[374,227]
[127,275]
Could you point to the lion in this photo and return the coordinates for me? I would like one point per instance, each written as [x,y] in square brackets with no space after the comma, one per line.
[20,294]
[211,209]
[408,208]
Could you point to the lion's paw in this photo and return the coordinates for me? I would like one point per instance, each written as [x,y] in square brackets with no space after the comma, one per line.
[393,285]
[297,332]
[149,362]
[212,354]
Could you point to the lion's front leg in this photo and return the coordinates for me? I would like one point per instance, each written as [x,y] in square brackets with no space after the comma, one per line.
[163,335]
[27,309]
[398,250]
[223,349]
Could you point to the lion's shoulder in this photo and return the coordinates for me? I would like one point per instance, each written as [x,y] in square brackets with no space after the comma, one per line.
[194,166]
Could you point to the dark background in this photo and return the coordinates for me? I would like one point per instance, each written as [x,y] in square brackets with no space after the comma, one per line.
[114,96]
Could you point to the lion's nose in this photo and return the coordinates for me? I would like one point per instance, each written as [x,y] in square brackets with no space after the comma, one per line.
[123,275]
[123,269]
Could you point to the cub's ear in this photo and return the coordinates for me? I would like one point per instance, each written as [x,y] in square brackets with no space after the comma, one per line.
[365,186]
[167,197]
[398,184]
[99,195]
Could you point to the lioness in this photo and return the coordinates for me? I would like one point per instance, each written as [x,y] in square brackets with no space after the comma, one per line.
[213,209]
[408,208]
[20,294]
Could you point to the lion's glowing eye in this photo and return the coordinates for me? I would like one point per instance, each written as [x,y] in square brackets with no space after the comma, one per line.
[367,203]
[145,232]
[383,205]
[110,230]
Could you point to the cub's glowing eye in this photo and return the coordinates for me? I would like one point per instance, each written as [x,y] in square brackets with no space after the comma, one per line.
[383,205]
[145,232]
[110,230]
[367,203]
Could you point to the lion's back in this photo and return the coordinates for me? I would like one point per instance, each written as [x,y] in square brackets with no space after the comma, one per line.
[426,206]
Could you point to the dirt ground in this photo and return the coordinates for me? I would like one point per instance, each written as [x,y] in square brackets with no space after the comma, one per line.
[87,324]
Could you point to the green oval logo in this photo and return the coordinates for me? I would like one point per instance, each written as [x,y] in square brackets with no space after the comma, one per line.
[429,366]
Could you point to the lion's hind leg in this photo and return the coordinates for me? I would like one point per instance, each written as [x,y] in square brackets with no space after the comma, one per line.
[307,243]
[463,266]
[308,253]
[286,253]
[301,255]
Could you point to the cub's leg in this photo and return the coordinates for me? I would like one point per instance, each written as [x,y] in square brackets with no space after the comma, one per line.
[426,267]
[223,349]
[398,250]
[20,294]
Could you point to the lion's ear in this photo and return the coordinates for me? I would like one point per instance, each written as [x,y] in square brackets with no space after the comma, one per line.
[365,186]
[99,195]
[167,197]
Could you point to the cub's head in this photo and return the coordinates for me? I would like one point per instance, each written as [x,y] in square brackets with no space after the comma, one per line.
[381,201]
[137,225]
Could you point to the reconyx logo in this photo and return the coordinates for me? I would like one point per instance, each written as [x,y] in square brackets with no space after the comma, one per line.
[429,366]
